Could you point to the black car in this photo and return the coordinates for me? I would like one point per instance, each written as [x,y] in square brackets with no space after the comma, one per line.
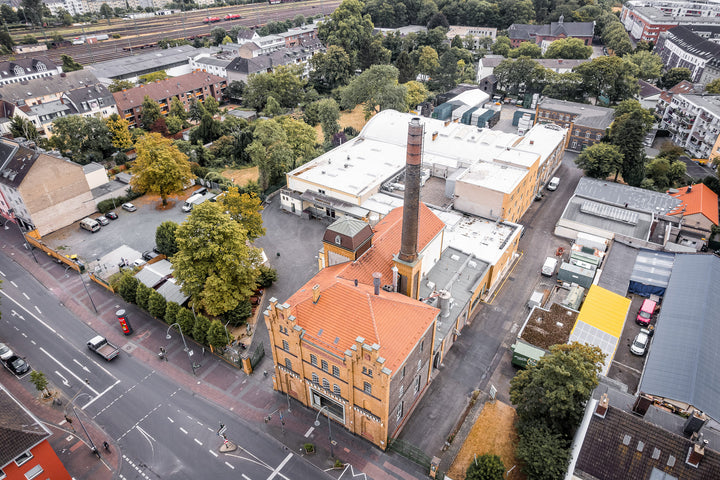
[149,255]
[17,365]
[111,215]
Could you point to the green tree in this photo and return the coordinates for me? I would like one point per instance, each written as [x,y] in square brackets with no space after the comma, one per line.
[217,336]
[159,167]
[416,94]
[106,11]
[118,85]
[153,76]
[331,69]
[6,40]
[200,329]
[268,275]
[165,238]
[301,139]
[156,305]
[543,453]
[564,86]
[347,28]
[511,74]
[235,89]
[428,61]
[664,172]
[171,311]
[38,379]
[32,10]
[270,151]
[149,113]
[69,65]
[211,106]
[246,209]
[446,76]
[486,467]
[674,76]
[570,48]
[713,87]
[377,89]
[556,390]
[23,127]
[8,14]
[174,124]
[272,108]
[142,295]
[284,84]
[501,46]
[406,68]
[600,160]
[177,109]
[119,130]
[127,286]
[196,110]
[186,320]
[329,116]
[649,64]
[214,264]
[628,130]
[208,131]
[526,49]
[612,77]
[83,139]
[238,315]
[514,11]
[437,20]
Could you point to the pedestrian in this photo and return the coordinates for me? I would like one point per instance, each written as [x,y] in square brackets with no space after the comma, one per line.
[106,446]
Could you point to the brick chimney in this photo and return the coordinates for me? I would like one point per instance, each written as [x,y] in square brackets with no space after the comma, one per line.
[602,406]
[411,202]
[316,293]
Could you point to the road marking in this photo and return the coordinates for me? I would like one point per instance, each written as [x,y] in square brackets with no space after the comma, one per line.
[13,283]
[628,367]
[63,422]
[183,430]
[226,463]
[66,369]
[64,380]
[82,366]
[26,296]
[23,334]
[282,464]
[29,312]
[198,441]
[310,430]
[171,420]
[38,310]
[2,273]
[33,342]
[213,453]
[245,476]
[100,395]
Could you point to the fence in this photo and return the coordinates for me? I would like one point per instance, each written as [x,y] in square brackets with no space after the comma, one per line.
[410,452]
[257,354]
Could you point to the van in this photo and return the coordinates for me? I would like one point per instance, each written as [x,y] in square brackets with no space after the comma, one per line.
[90,225]
[201,191]
[190,202]
[647,310]
[553,184]
[548,268]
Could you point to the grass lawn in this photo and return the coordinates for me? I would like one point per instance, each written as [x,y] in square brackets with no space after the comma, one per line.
[492,433]
[242,175]
[353,118]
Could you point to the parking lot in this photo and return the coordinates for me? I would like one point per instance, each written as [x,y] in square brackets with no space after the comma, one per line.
[626,367]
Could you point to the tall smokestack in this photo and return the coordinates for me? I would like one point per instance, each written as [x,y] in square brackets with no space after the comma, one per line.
[411,210]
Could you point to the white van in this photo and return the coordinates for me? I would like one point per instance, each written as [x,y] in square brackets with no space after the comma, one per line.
[89,224]
[190,202]
[553,183]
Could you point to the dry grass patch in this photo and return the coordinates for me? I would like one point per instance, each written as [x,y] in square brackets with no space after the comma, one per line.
[242,175]
[493,433]
[352,118]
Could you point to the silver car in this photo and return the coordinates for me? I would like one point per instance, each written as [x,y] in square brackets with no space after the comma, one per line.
[641,342]
[5,352]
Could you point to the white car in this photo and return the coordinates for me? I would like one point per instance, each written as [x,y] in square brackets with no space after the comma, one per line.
[129,207]
[5,352]
[641,342]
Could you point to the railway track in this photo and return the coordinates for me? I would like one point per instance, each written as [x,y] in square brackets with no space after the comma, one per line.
[181,25]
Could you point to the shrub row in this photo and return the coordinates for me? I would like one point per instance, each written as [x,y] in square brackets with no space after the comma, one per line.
[111,203]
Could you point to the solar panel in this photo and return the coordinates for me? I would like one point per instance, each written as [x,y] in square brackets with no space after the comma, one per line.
[610,212]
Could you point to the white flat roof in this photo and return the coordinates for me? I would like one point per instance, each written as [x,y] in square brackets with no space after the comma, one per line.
[483,238]
[518,158]
[542,139]
[472,97]
[493,176]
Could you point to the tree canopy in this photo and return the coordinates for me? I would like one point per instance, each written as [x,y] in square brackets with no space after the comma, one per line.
[570,48]
[214,264]
[246,209]
[601,160]
[348,28]
[159,168]
[612,77]
[377,89]
[284,84]
[331,69]
[486,467]
[83,139]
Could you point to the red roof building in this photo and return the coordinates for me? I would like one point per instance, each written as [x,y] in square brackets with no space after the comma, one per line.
[699,207]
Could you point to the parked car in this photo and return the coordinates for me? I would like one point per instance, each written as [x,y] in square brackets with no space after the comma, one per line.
[139,262]
[17,365]
[149,255]
[111,215]
[129,207]
[102,220]
[641,342]
[5,352]
[646,312]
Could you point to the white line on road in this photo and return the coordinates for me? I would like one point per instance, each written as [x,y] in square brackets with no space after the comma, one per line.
[38,310]
[63,422]
[100,395]
[213,453]
[183,430]
[171,420]
[64,380]
[33,342]
[282,464]
[26,296]
[198,441]
[82,366]
[310,430]
[2,273]
[13,283]
[245,476]
[29,312]
[66,369]
[226,463]
[24,334]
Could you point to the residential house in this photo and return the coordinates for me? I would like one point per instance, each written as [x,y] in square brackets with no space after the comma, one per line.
[211,64]
[261,46]
[198,85]
[32,48]
[486,66]
[693,122]
[474,33]
[296,36]
[26,452]
[544,35]
[698,210]
[667,96]
[241,68]
[648,95]
[41,193]
[647,19]
[681,47]
[586,123]
[23,69]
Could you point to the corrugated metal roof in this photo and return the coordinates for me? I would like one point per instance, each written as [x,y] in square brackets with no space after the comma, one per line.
[170,291]
[683,363]
[653,268]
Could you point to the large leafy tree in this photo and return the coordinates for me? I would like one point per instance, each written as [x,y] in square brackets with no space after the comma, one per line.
[427,61]
[329,115]
[159,168]
[674,76]
[563,86]
[516,11]
[150,112]
[331,69]
[713,87]
[612,77]
[284,84]
[571,48]
[406,67]
[246,209]
[544,453]
[377,89]
[649,64]
[601,160]
[22,127]
[556,390]
[523,71]
[270,151]
[165,238]
[119,129]
[33,10]
[214,264]
[69,65]
[347,28]
[416,94]
[628,130]
[83,139]
[118,85]
[301,139]
[664,172]
[526,49]
[501,46]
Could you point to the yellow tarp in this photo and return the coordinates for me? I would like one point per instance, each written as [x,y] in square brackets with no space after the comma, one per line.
[604,310]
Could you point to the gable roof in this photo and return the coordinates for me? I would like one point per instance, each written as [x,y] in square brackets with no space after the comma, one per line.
[683,362]
[18,93]
[682,87]
[19,429]
[29,65]
[697,199]
[168,88]
[648,89]
[15,163]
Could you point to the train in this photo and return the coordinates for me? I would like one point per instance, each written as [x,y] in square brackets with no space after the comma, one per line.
[233,16]
[211,20]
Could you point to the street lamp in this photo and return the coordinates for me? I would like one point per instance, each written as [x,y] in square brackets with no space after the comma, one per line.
[72,406]
[317,424]
[187,350]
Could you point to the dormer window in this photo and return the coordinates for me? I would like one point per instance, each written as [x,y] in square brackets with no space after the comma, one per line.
[40,67]
[338,240]
[18,70]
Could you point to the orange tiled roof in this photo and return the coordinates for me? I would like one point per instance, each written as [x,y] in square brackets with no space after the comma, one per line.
[700,199]
[386,243]
[345,312]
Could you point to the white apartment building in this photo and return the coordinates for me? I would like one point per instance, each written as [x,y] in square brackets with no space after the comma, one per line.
[693,122]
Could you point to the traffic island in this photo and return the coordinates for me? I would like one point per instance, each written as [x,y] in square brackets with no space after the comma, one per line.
[227,447]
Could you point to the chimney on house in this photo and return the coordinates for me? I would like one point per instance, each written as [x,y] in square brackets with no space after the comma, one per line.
[411,202]
[316,293]
[377,279]
[696,452]
[602,406]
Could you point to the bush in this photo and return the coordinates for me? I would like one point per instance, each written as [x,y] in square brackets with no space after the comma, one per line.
[200,329]
[186,320]
[142,296]
[238,315]
[109,204]
[156,305]
[268,275]
[127,286]
[486,467]
[218,336]
[171,311]
[350,131]
[544,454]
